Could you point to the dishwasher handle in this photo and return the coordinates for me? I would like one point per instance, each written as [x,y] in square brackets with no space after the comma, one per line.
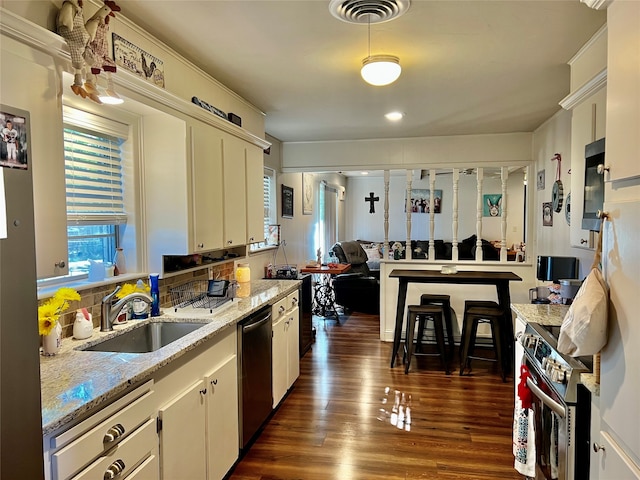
[257,322]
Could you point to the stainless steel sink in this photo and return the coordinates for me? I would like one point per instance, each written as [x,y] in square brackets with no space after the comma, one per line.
[146,338]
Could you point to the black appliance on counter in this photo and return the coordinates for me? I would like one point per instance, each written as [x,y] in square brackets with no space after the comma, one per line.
[552,269]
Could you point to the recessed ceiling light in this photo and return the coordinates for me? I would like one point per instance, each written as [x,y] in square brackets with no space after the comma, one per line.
[394,116]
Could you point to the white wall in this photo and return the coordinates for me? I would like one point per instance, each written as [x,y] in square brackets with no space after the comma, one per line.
[554,136]
[367,226]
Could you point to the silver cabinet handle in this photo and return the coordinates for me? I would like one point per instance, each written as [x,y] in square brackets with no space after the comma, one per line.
[203,391]
[229,242]
[214,382]
[583,241]
[281,309]
[201,245]
[597,447]
[60,264]
[113,470]
[114,433]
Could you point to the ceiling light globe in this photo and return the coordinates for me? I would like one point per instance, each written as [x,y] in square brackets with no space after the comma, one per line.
[380,70]
[394,116]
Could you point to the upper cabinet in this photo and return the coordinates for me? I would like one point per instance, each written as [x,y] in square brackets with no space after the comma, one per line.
[255,193]
[235,201]
[587,103]
[623,103]
[25,71]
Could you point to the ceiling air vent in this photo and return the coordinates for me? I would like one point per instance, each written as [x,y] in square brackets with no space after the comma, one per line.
[365,11]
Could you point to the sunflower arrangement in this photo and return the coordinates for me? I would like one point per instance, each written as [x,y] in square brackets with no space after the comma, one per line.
[49,312]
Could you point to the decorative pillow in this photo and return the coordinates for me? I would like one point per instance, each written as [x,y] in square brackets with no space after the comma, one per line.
[372,251]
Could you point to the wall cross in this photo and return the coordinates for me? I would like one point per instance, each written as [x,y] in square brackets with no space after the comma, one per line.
[371,199]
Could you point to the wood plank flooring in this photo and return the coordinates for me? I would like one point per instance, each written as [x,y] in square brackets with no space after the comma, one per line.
[338,422]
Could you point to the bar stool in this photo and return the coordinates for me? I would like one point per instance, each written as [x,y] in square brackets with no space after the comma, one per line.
[476,312]
[433,312]
[445,301]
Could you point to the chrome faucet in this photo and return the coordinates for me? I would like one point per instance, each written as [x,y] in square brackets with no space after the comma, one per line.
[111,310]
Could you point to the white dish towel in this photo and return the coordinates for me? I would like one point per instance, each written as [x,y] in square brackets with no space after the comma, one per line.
[524,441]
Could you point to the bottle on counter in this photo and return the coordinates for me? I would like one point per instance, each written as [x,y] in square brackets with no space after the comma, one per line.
[155,294]
[139,308]
[119,262]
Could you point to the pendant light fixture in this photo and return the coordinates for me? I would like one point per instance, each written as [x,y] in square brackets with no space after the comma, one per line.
[379,70]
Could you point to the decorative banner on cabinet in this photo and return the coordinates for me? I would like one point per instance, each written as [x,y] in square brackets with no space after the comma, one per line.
[136,60]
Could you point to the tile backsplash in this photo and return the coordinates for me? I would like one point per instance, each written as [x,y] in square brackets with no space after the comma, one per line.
[91,298]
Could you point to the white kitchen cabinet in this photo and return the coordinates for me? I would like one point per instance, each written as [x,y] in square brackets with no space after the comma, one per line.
[235,200]
[147,470]
[594,435]
[587,125]
[123,431]
[623,78]
[206,154]
[197,398]
[613,462]
[254,164]
[182,435]
[285,345]
[222,418]
[25,71]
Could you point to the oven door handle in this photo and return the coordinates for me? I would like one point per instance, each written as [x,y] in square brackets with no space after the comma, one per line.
[546,399]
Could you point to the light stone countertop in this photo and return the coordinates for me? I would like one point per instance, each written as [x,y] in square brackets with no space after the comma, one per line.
[74,381]
[550,315]
[553,315]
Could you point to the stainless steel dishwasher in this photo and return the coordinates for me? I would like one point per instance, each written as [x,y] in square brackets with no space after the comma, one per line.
[254,372]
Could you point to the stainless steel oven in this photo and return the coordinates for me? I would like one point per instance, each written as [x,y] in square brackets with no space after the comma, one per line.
[560,407]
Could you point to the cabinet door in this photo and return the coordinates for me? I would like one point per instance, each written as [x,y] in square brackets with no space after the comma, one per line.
[279,359]
[293,346]
[587,125]
[222,419]
[26,71]
[255,194]
[182,437]
[613,463]
[206,152]
[235,200]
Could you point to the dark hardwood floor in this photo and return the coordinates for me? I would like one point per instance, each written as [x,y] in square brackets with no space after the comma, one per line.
[338,422]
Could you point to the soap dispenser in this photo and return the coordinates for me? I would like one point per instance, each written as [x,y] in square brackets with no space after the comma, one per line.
[83,326]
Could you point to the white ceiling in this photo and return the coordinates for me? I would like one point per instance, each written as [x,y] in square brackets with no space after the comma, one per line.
[469,67]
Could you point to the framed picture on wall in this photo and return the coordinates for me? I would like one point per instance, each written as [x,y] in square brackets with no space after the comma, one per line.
[421,198]
[307,193]
[492,205]
[547,214]
[540,180]
[287,201]
[14,138]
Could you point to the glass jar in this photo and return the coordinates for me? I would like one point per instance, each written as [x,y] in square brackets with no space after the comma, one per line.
[243,273]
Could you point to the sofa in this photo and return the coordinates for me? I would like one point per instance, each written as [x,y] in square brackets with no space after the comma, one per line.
[443,250]
[357,290]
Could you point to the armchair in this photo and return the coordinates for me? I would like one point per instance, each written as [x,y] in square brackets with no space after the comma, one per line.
[357,290]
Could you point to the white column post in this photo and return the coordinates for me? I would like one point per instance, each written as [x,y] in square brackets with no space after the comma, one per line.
[480,178]
[432,214]
[385,250]
[407,251]
[504,176]
[454,222]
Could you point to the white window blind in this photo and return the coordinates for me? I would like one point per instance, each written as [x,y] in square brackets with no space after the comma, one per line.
[266,187]
[93,172]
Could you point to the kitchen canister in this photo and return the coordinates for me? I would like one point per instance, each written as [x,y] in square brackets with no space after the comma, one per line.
[243,273]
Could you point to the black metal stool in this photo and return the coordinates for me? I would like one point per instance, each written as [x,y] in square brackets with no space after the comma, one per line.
[434,312]
[445,301]
[476,312]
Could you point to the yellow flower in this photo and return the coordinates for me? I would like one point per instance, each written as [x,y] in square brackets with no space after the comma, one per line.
[49,312]
[129,288]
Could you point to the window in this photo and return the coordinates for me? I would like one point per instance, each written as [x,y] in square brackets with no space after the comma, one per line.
[95,193]
[269,217]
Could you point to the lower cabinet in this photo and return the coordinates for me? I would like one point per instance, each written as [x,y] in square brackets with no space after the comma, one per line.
[198,421]
[286,345]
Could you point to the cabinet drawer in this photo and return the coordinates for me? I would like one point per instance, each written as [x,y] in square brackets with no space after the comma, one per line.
[148,470]
[126,455]
[293,299]
[278,309]
[88,446]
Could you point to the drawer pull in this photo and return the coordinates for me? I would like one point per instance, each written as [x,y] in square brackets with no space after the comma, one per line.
[113,433]
[281,309]
[597,447]
[115,469]
[203,391]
